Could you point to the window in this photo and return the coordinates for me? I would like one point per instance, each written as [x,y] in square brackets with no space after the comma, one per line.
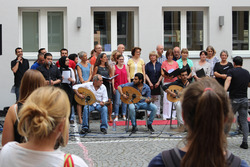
[42,28]
[113,27]
[185,28]
[240,30]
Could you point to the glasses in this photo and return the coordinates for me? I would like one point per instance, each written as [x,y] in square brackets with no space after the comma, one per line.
[121,59]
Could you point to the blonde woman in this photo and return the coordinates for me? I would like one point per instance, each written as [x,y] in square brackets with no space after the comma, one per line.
[211,58]
[44,122]
[32,79]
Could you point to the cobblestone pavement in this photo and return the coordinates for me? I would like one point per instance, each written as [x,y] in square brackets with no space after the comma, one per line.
[119,148]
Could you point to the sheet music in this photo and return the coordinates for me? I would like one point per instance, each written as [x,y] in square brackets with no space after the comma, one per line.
[66,76]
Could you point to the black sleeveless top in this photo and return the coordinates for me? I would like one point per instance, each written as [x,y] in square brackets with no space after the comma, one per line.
[17,137]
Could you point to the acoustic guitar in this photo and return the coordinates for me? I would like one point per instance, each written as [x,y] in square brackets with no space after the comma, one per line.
[177,90]
[134,96]
[88,95]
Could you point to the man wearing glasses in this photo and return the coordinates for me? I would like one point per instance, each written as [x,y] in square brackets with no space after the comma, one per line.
[100,92]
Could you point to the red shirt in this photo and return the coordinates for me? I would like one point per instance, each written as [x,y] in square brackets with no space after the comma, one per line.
[169,68]
[72,64]
[122,77]
[93,60]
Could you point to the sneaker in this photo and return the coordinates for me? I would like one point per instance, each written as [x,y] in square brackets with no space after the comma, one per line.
[85,130]
[150,128]
[134,129]
[103,130]
[124,118]
[116,119]
[244,145]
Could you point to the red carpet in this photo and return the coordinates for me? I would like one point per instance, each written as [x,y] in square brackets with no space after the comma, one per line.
[143,122]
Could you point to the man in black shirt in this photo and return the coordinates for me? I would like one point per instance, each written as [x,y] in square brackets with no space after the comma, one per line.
[19,66]
[239,80]
[50,72]
[182,82]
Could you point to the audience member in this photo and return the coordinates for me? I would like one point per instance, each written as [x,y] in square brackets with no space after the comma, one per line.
[206,142]
[44,122]
[31,80]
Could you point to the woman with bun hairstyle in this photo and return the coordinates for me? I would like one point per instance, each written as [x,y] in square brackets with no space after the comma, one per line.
[44,122]
[32,79]
[208,116]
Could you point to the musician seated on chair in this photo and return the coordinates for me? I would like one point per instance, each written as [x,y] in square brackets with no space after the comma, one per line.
[142,104]
[100,92]
[182,81]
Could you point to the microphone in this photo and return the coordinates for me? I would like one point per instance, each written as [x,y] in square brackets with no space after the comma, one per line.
[49,63]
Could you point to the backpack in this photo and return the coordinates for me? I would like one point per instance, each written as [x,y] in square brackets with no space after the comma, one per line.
[172,158]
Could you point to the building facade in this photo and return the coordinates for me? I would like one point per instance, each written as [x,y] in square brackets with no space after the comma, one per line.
[79,25]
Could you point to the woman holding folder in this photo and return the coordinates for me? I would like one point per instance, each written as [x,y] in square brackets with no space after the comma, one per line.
[168,67]
[202,67]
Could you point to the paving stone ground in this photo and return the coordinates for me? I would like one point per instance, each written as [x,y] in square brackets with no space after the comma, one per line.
[119,148]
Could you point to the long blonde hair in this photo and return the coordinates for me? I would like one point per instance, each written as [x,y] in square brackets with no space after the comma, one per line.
[43,110]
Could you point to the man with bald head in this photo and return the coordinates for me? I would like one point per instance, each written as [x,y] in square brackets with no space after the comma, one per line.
[161,57]
[121,48]
[177,53]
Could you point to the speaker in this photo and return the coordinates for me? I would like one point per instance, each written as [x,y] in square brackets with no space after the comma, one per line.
[221,21]
[79,22]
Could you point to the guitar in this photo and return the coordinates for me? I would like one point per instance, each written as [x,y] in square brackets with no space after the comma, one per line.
[177,90]
[88,95]
[134,94]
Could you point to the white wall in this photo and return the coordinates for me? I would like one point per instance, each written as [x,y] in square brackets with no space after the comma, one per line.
[150,32]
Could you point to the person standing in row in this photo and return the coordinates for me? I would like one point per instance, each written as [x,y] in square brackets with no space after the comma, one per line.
[211,58]
[136,64]
[64,52]
[85,74]
[154,78]
[169,66]
[201,64]
[101,67]
[19,66]
[161,57]
[123,77]
[50,72]
[184,61]
[221,68]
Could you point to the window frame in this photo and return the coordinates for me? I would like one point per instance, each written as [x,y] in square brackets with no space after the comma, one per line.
[114,26]
[242,53]
[183,28]
[42,29]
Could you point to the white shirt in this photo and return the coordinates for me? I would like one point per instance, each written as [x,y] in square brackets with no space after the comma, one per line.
[125,59]
[100,94]
[16,156]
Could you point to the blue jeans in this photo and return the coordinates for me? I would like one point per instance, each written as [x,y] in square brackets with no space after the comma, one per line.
[117,104]
[98,107]
[241,105]
[151,107]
